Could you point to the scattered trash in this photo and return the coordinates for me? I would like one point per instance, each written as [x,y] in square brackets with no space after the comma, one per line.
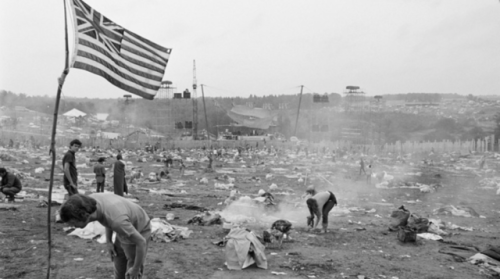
[162,231]
[206,219]
[399,218]
[170,216]
[461,211]
[184,206]
[429,236]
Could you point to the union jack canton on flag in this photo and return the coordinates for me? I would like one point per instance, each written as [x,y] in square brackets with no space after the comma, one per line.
[122,57]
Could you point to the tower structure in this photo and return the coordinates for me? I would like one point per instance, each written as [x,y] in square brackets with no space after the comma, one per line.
[354,98]
[164,123]
[319,118]
[195,103]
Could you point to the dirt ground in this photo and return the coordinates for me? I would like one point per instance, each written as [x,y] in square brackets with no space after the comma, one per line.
[358,245]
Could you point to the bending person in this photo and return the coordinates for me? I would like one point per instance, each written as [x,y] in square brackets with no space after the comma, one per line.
[320,205]
[128,220]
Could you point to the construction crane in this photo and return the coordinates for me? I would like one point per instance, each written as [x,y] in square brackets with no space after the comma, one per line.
[195,104]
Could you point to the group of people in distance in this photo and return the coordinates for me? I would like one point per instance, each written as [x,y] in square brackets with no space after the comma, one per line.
[128,220]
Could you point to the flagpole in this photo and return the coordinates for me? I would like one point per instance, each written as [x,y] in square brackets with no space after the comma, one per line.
[53,138]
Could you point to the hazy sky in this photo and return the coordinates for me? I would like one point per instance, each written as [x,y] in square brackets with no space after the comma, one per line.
[271,47]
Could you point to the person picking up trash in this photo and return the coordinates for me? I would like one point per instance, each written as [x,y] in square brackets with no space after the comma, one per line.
[10,184]
[69,167]
[117,214]
[320,205]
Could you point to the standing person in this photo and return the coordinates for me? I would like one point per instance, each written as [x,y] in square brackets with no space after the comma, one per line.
[69,166]
[128,220]
[10,184]
[118,170]
[369,174]
[100,174]
[362,167]
[320,205]
[482,161]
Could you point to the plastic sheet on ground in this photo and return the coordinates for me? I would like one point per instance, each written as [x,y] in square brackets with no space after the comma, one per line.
[162,231]
[244,249]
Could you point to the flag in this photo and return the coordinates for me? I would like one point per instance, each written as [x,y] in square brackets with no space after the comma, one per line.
[122,57]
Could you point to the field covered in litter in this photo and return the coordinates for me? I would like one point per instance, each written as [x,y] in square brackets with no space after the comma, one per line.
[448,188]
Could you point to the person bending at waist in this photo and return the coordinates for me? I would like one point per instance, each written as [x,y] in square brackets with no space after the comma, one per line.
[320,205]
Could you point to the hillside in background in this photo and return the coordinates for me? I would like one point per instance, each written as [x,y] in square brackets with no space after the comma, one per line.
[411,116]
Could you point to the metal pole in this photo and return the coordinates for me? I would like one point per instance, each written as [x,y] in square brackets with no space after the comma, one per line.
[298,111]
[53,139]
[205,109]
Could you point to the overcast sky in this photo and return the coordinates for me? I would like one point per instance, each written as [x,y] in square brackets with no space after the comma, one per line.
[264,47]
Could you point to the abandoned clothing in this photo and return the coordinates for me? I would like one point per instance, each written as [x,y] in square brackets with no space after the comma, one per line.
[119,183]
[121,215]
[9,180]
[100,173]
[69,158]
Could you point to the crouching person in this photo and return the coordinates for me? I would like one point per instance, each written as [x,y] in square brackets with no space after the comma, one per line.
[117,214]
[10,185]
[320,205]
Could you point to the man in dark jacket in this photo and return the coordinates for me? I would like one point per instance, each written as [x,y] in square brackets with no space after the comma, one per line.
[10,184]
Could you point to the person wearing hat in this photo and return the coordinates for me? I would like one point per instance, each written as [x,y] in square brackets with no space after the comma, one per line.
[100,174]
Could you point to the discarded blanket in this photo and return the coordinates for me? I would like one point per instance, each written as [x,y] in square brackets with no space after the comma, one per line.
[93,230]
[244,249]
[185,206]
[206,219]
[162,231]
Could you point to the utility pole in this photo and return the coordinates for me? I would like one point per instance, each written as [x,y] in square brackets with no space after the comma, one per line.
[195,104]
[127,119]
[205,109]
[298,110]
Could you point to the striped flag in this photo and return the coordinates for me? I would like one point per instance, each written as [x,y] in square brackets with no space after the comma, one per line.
[122,57]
